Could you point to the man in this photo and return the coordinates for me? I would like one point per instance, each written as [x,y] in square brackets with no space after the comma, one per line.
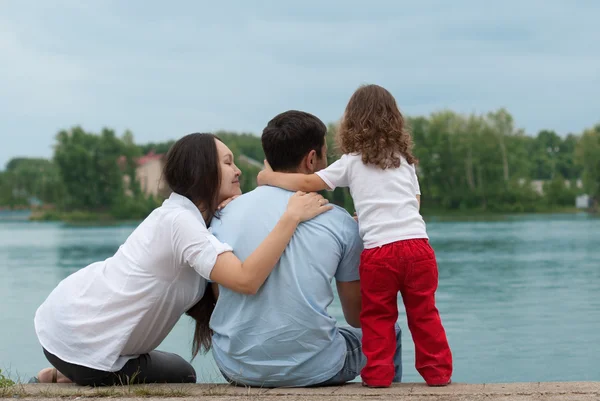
[283,335]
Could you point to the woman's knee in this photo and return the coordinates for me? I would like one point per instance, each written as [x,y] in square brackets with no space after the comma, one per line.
[184,370]
[189,374]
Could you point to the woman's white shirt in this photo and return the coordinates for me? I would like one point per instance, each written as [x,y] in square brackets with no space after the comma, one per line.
[115,310]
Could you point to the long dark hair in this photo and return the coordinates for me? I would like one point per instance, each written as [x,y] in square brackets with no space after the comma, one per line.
[201,313]
[192,170]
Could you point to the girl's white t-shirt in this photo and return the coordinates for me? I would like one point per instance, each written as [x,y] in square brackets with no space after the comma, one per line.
[112,311]
[385,200]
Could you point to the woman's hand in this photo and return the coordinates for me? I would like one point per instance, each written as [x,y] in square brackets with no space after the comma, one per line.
[262,177]
[226,202]
[304,206]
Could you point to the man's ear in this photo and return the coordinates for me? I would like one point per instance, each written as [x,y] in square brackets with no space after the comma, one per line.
[311,161]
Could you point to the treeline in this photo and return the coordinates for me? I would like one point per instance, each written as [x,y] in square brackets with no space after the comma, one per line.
[484,162]
[91,176]
[466,163]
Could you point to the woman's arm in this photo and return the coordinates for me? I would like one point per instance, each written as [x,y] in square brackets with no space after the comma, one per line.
[249,276]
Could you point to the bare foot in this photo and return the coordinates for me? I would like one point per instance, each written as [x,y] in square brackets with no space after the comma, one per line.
[51,375]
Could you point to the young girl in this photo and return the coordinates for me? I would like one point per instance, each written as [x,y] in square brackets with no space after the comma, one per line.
[378,167]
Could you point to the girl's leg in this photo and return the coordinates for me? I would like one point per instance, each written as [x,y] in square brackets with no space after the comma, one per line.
[379,313]
[433,358]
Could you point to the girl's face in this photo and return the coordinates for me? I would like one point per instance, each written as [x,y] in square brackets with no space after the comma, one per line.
[230,174]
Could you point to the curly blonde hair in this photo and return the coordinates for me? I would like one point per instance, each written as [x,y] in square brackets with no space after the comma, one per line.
[373,126]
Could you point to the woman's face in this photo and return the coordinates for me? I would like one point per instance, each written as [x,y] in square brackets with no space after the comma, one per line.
[230,174]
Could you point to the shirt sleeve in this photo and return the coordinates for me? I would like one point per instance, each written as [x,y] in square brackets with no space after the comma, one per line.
[336,175]
[415,179]
[195,245]
[353,246]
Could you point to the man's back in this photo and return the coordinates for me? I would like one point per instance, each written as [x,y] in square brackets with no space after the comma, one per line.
[283,336]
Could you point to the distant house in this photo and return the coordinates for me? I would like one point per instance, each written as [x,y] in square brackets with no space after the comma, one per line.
[583,202]
[538,185]
[34,201]
[148,173]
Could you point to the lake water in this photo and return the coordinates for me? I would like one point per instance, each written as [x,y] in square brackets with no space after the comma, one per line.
[519,296]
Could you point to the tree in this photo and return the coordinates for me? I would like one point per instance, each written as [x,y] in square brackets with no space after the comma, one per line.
[588,157]
[27,178]
[502,122]
[90,169]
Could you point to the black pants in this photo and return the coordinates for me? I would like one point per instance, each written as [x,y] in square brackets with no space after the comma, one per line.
[154,367]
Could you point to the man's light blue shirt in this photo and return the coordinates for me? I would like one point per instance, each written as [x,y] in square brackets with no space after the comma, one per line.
[283,335]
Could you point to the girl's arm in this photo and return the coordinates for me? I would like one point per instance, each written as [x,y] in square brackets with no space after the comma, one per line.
[291,181]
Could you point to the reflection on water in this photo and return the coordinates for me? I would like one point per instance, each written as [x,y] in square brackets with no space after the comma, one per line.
[518,296]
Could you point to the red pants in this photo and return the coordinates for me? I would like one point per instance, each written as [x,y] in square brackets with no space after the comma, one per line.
[408,267]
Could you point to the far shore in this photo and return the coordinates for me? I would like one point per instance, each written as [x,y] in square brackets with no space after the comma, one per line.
[104,218]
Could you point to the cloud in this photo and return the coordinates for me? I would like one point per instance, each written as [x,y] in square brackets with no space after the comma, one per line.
[163,70]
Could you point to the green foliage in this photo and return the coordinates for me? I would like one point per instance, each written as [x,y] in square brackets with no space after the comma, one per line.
[479,163]
[588,158]
[5,381]
[92,167]
[27,179]
[243,144]
[559,192]
[158,148]
[134,208]
[482,162]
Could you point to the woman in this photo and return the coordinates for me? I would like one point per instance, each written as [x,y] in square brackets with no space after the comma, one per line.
[102,324]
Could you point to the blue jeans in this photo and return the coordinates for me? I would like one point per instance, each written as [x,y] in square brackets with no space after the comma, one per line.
[356,360]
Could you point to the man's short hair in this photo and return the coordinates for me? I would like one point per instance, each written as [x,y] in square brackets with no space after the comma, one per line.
[289,136]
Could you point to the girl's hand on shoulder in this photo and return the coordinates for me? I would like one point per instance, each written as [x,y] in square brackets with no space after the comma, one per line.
[304,206]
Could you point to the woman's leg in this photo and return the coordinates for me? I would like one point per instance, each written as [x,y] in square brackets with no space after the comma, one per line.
[73,373]
[154,367]
[51,375]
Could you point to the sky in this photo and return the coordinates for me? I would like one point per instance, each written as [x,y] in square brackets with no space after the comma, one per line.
[166,69]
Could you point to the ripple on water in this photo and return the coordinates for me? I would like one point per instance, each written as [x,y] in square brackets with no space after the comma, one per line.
[518,296]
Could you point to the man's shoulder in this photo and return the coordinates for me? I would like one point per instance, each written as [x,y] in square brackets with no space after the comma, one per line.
[260,201]
[339,213]
[259,197]
[337,218]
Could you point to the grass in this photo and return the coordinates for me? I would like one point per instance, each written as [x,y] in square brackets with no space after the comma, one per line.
[5,381]
[11,389]
[17,389]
